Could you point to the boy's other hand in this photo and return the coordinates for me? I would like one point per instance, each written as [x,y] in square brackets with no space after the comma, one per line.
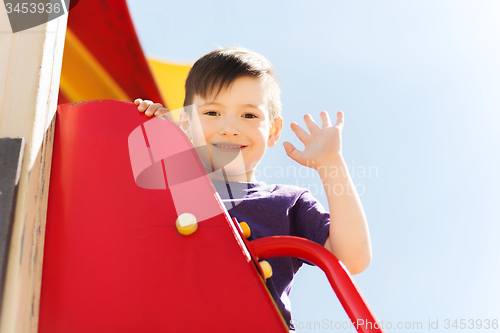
[322,145]
[149,108]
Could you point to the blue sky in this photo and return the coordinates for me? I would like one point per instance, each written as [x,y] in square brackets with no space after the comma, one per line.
[419,85]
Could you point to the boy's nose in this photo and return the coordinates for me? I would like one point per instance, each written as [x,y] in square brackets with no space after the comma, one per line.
[229,129]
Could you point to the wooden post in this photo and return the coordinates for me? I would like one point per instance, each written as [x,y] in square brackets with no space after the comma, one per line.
[30,69]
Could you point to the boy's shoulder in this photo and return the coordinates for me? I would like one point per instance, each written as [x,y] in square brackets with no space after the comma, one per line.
[288,188]
[296,196]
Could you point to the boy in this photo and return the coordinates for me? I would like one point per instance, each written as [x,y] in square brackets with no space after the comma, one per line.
[234,104]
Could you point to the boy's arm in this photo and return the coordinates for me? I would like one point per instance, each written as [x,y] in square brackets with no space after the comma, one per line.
[349,238]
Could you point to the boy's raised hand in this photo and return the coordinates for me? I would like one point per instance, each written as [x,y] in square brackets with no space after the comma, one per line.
[149,108]
[322,145]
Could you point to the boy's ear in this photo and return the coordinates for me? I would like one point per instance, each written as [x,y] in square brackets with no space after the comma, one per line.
[275,132]
[185,124]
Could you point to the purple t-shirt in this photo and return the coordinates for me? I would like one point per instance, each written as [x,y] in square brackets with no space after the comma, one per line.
[272,210]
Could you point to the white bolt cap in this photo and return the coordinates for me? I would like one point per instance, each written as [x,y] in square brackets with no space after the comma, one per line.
[186,219]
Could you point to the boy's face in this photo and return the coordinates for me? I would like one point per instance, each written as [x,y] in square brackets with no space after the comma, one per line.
[238,117]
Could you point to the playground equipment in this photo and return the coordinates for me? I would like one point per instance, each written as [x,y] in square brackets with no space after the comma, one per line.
[126,257]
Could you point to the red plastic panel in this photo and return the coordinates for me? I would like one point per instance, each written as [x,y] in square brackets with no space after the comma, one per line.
[114,261]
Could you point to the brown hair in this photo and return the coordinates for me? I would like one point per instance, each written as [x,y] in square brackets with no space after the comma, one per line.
[220,68]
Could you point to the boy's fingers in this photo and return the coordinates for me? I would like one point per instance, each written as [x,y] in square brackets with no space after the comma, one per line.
[138,101]
[301,134]
[325,119]
[144,106]
[311,124]
[340,119]
[161,111]
[290,150]
[152,108]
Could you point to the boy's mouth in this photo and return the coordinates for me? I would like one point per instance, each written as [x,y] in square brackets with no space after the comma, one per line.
[227,146]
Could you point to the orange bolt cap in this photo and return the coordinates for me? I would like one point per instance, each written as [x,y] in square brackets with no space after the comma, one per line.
[246,229]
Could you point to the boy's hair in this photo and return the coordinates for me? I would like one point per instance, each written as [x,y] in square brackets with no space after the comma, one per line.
[220,68]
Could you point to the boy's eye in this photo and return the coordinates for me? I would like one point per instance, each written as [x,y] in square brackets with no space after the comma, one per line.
[250,115]
[211,113]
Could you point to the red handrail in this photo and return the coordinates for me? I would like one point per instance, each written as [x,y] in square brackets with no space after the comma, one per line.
[344,286]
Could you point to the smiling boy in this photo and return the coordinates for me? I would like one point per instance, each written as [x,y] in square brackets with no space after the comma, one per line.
[234,103]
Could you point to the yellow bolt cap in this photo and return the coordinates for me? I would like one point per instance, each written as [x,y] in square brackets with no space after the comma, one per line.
[186,224]
[266,268]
